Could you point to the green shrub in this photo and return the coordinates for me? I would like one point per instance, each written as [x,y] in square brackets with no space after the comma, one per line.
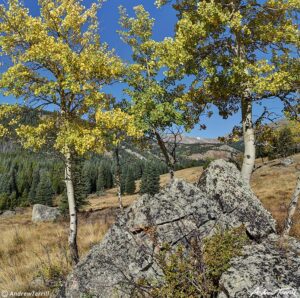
[220,249]
[52,275]
[53,271]
[194,270]
[207,163]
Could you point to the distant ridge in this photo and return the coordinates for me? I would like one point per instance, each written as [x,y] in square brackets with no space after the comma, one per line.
[195,140]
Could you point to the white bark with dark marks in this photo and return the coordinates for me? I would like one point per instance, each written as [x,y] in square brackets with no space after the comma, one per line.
[249,140]
[72,208]
[292,209]
[118,178]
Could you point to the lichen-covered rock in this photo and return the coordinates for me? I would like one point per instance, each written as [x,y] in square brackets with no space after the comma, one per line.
[44,213]
[286,162]
[223,184]
[126,254]
[268,269]
[8,213]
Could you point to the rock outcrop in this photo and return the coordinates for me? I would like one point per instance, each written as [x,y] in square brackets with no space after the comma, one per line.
[44,213]
[126,253]
[268,269]
[223,184]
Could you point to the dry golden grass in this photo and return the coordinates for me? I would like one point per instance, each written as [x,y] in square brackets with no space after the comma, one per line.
[30,250]
[274,186]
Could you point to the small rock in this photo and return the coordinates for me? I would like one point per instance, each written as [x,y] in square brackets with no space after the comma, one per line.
[8,213]
[44,213]
[287,162]
[37,283]
[20,210]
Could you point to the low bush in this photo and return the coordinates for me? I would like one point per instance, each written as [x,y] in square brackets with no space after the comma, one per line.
[194,269]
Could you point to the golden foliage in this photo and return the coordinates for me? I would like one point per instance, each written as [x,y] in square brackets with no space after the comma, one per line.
[59,61]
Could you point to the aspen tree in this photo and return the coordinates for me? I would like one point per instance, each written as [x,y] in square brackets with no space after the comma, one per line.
[239,52]
[56,60]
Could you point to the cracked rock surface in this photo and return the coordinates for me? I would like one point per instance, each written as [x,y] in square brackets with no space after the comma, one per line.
[267,269]
[220,200]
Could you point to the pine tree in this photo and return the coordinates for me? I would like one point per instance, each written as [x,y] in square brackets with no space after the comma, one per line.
[93,176]
[34,184]
[4,186]
[153,180]
[12,200]
[144,181]
[81,186]
[44,191]
[285,142]
[86,172]
[4,201]
[101,180]
[123,181]
[57,178]
[108,175]
[13,180]
[130,182]
[150,180]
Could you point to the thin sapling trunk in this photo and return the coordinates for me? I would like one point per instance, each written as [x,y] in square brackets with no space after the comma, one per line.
[118,178]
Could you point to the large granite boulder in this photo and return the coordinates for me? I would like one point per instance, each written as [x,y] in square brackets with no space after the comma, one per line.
[44,213]
[267,269]
[223,184]
[126,254]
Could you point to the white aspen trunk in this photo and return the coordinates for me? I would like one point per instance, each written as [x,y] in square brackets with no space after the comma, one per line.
[249,140]
[120,198]
[72,209]
[118,178]
[292,209]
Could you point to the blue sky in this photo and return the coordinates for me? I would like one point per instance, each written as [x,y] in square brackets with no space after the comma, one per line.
[165,18]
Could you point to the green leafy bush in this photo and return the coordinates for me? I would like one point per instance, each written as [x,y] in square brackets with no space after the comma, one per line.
[194,270]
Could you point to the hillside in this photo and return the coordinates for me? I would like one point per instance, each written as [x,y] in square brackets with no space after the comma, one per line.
[34,251]
[22,171]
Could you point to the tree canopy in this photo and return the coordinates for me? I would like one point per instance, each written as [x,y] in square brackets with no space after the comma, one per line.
[237,52]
